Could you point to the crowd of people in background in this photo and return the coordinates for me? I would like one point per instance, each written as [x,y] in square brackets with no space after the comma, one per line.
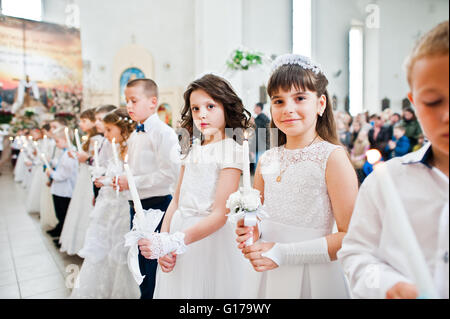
[391,133]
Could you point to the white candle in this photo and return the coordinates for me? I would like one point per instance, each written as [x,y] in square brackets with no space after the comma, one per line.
[246,163]
[77,139]
[45,160]
[66,131]
[45,146]
[96,154]
[117,186]
[113,144]
[397,217]
[132,186]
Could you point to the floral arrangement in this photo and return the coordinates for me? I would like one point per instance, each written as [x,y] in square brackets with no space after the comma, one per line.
[244,201]
[5,116]
[241,59]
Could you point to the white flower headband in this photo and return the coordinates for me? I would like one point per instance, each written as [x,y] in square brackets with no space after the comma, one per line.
[125,119]
[300,60]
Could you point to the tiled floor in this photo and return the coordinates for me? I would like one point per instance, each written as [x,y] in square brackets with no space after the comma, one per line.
[30,264]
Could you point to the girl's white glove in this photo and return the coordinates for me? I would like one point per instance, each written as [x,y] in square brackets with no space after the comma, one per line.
[308,252]
[163,244]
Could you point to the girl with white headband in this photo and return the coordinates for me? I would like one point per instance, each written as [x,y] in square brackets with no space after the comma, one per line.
[307,183]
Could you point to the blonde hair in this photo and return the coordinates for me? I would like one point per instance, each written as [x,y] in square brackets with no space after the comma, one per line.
[60,133]
[433,43]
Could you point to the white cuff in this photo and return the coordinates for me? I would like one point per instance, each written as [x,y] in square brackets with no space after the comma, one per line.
[163,244]
[308,252]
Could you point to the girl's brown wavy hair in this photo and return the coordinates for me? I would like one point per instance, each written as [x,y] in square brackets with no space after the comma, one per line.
[120,118]
[291,76]
[236,116]
[90,115]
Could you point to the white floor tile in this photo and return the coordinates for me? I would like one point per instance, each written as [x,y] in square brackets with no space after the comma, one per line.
[9,292]
[41,285]
[7,277]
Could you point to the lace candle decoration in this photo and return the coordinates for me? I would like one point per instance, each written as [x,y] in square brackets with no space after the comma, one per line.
[114,149]
[77,140]
[396,216]
[132,186]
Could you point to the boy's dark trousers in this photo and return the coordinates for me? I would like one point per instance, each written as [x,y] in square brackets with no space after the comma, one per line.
[61,206]
[148,266]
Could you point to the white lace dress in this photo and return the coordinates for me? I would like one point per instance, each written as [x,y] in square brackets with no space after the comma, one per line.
[299,209]
[34,193]
[77,218]
[211,267]
[104,273]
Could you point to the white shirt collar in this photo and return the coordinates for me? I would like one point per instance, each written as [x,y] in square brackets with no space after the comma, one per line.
[150,121]
[421,156]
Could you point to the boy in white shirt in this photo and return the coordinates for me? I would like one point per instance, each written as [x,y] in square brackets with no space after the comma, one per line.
[64,177]
[152,154]
[375,263]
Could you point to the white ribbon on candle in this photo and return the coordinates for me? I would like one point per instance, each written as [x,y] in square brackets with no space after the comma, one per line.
[143,227]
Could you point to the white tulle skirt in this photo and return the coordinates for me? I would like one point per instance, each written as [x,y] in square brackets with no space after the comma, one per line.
[211,268]
[78,214]
[104,273]
[310,281]
[19,169]
[47,208]
[34,194]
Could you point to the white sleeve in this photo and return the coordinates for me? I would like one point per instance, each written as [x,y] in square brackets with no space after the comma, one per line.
[168,153]
[369,275]
[65,169]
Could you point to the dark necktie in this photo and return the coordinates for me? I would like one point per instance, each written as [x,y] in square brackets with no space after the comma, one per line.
[140,128]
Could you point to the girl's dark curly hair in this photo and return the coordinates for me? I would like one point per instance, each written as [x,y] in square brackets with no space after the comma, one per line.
[120,118]
[236,116]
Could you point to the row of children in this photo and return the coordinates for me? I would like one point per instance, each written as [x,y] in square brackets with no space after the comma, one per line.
[307,185]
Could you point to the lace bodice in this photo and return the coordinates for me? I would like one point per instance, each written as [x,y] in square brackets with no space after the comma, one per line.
[300,198]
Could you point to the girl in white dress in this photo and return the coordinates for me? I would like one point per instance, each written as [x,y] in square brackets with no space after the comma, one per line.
[306,184]
[34,194]
[80,208]
[211,266]
[104,273]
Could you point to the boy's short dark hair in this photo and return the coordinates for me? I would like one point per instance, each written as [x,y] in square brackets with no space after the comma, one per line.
[148,85]
[261,105]
[46,127]
[60,120]
[105,108]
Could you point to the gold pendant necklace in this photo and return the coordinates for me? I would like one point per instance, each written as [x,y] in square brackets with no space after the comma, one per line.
[282,158]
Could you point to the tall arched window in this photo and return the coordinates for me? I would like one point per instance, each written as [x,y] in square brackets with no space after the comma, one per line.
[27,9]
[301,27]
